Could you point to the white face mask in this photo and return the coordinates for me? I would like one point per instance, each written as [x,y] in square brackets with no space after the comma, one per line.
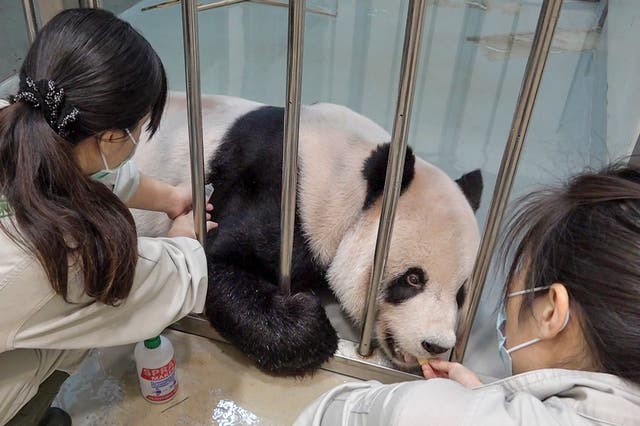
[103,174]
[505,354]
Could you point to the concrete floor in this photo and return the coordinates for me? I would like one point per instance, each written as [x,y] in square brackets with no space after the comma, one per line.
[217,386]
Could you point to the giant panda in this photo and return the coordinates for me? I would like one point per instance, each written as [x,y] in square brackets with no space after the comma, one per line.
[341,173]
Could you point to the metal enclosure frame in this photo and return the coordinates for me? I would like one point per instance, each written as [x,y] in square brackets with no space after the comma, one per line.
[31,18]
[96,4]
[349,359]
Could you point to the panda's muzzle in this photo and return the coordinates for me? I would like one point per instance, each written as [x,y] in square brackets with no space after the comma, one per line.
[391,344]
[397,355]
[433,349]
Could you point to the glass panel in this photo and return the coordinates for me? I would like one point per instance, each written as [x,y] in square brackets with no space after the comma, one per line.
[119,6]
[13,43]
[573,126]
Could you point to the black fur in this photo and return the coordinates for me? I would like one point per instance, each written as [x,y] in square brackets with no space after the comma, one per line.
[471,185]
[400,290]
[284,335]
[375,171]
[461,296]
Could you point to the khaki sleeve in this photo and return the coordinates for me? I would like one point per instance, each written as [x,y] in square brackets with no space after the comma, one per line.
[440,402]
[424,402]
[170,281]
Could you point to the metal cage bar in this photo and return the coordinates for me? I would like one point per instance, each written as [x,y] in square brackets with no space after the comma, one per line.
[31,19]
[194,110]
[395,163]
[547,21]
[95,4]
[225,3]
[290,142]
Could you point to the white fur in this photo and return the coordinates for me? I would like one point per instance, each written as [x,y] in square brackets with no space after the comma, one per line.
[434,229]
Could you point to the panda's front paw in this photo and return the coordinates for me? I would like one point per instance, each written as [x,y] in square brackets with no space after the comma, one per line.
[288,335]
[302,338]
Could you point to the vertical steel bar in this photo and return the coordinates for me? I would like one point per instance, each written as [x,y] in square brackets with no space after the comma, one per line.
[95,4]
[395,163]
[543,37]
[31,19]
[194,109]
[290,142]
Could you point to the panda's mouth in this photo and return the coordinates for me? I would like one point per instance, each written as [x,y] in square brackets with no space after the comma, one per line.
[398,356]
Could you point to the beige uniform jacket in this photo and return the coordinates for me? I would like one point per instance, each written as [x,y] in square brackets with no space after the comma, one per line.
[552,397]
[40,332]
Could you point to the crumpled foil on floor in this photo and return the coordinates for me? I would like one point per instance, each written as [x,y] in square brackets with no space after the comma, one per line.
[228,413]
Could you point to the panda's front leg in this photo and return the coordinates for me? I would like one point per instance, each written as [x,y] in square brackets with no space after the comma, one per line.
[284,334]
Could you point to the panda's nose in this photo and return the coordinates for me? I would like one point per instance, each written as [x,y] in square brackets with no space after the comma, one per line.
[433,349]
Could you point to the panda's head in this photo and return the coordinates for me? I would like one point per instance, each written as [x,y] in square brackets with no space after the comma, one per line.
[433,247]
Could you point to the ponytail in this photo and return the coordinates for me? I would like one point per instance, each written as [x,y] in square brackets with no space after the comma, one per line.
[61,215]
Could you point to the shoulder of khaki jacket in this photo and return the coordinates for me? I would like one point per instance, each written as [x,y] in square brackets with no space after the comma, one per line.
[434,402]
[574,396]
[170,282]
[440,402]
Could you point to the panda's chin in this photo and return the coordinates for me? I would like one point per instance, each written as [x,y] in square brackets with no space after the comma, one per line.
[397,355]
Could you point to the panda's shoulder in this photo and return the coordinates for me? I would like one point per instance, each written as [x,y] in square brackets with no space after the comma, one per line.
[258,121]
[324,114]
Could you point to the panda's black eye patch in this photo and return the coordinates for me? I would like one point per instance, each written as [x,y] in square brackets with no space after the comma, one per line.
[406,286]
[461,296]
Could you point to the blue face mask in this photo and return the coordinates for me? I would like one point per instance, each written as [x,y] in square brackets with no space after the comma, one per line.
[505,354]
[107,172]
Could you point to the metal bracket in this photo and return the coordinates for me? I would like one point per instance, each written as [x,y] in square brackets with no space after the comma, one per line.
[223,3]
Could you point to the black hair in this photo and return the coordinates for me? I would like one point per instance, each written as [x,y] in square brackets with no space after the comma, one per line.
[114,78]
[585,234]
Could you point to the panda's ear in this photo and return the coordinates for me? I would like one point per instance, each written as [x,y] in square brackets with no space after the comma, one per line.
[471,185]
[375,171]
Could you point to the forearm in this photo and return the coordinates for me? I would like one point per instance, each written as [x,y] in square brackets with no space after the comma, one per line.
[153,195]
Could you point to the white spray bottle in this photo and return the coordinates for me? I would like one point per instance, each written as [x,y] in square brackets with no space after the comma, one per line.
[156,366]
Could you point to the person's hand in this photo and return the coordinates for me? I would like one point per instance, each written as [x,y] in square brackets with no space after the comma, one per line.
[183,226]
[181,202]
[436,367]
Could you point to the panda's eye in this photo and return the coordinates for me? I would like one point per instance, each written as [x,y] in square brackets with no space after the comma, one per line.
[462,294]
[411,283]
[460,297]
[413,279]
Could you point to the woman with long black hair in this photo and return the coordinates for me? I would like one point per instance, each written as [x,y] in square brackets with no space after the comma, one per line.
[73,274]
